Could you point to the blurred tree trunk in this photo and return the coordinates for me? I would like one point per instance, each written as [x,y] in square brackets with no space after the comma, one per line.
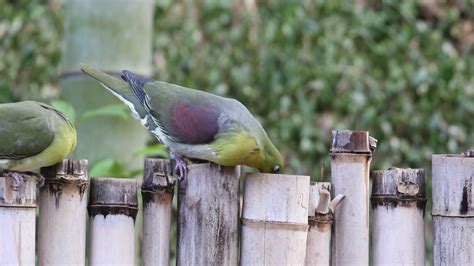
[110,35]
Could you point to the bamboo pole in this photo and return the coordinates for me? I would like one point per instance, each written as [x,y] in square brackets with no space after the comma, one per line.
[398,203]
[157,192]
[110,35]
[17,221]
[63,210]
[112,210]
[453,209]
[321,217]
[274,219]
[208,215]
[351,153]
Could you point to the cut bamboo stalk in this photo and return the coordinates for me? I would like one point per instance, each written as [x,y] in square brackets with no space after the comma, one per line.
[318,246]
[274,219]
[17,221]
[63,211]
[208,221]
[398,203]
[351,154]
[112,210]
[110,35]
[157,192]
[315,189]
[453,209]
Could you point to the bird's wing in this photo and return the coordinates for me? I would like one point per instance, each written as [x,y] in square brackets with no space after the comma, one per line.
[24,132]
[118,88]
[184,115]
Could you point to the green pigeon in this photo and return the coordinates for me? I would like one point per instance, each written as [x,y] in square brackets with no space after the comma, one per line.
[33,135]
[194,124]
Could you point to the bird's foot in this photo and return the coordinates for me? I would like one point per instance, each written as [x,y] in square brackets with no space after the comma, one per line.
[181,166]
[18,178]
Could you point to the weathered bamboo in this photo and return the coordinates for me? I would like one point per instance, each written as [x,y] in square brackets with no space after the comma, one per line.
[274,219]
[208,221]
[157,192]
[17,221]
[318,245]
[112,210]
[351,153]
[398,203]
[321,217]
[110,35]
[453,209]
[63,210]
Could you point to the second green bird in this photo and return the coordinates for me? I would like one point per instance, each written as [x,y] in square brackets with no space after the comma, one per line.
[33,135]
[194,124]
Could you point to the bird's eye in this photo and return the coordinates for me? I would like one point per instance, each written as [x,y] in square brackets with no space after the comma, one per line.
[276,168]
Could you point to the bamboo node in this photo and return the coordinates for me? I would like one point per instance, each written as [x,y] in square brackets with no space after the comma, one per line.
[408,188]
[346,141]
[158,176]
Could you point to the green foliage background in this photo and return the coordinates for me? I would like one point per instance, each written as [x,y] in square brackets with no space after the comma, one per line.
[303,67]
[398,69]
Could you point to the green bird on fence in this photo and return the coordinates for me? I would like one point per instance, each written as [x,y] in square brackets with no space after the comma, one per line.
[33,135]
[194,124]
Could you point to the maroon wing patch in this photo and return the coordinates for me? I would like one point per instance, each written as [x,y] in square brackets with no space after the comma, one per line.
[193,124]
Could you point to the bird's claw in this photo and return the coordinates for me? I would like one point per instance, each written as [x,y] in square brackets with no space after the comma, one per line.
[180,168]
[18,178]
[40,179]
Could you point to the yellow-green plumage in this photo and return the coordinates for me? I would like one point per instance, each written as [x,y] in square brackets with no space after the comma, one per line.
[33,135]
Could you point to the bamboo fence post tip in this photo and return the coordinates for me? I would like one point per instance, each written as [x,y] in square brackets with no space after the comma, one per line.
[351,154]
[320,220]
[275,219]
[208,215]
[63,211]
[66,172]
[157,192]
[17,221]
[324,197]
[398,202]
[346,141]
[112,209]
[453,209]
[158,177]
[315,190]
[113,196]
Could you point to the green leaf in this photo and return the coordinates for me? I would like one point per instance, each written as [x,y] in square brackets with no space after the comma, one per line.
[117,110]
[157,150]
[65,108]
[109,168]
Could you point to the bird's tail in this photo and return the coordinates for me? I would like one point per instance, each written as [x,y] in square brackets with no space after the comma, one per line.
[118,87]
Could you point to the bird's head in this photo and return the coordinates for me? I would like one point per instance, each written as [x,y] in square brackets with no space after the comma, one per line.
[272,161]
